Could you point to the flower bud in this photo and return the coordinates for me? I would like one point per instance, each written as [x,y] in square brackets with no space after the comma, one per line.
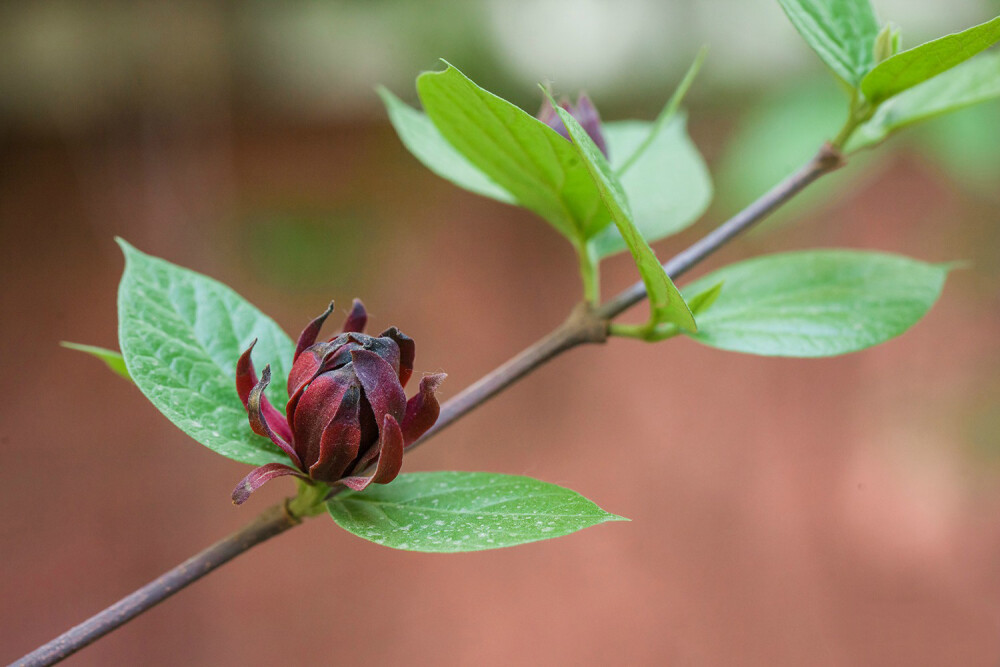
[346,407]
[583,111]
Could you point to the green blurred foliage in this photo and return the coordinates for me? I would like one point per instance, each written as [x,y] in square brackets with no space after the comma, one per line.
[307,249]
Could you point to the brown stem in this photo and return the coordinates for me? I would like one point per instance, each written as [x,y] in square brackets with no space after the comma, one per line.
[585,325]
[273,521]
[827,159]
[582,326]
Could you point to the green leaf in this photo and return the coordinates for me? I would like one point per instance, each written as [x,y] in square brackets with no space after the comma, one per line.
[913,66]
[702,301]
[665,300]
[180,334]
[817,303]
[523,155]
[446,512]
[842,32]
[111,358]
[967,84]
[668,186]
[421,138]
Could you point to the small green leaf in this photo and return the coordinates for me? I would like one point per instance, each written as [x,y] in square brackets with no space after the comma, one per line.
[967,84]
[913,66]
[180,334]
[523,155]
[447,512]
[111,358]
[842,32]
[668,187]
[666,115]
[701,301]
[888,42]
[817,303]
[665,301]
[421,138]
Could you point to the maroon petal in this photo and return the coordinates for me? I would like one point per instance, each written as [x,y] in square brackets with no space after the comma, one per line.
[259,421]
[308,336]
[422,410]
[547,114]
[246,376]
[340,442]
[586,114]
[246,380]
[314,411]
[356,319]
[390,458]
[407,350]
[260,476]
[381,385]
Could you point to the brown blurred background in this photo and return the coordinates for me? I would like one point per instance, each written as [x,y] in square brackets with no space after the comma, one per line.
[785,512]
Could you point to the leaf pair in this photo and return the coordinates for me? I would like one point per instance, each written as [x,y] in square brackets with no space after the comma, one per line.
[658,183]
[848,37]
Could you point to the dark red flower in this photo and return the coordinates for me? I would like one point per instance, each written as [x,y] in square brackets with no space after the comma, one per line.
[583,111]
[346,407]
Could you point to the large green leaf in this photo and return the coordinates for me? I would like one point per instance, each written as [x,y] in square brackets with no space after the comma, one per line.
[842,32]
[181,333]
[112,359]
[523,155]
[423,139]
[463,511]
[913,66]
[970,83]
[816,303]
[668,186]
[665,300]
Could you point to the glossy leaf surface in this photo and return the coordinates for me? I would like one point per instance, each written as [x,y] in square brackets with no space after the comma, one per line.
[841,32]
[816,303]
[180,334]
[913,66]
[972,82]
[521,154]
[463,511]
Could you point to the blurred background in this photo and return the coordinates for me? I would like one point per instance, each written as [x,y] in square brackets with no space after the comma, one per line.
[822,512]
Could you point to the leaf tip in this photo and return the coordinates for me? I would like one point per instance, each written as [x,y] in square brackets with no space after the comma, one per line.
[955,265]
[123,244]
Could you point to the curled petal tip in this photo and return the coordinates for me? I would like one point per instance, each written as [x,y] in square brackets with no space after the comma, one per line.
[258,477]
[407,352]
[357,318]
[246,377]
[432,382]
[308,336]
[269,422]
[422,410]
